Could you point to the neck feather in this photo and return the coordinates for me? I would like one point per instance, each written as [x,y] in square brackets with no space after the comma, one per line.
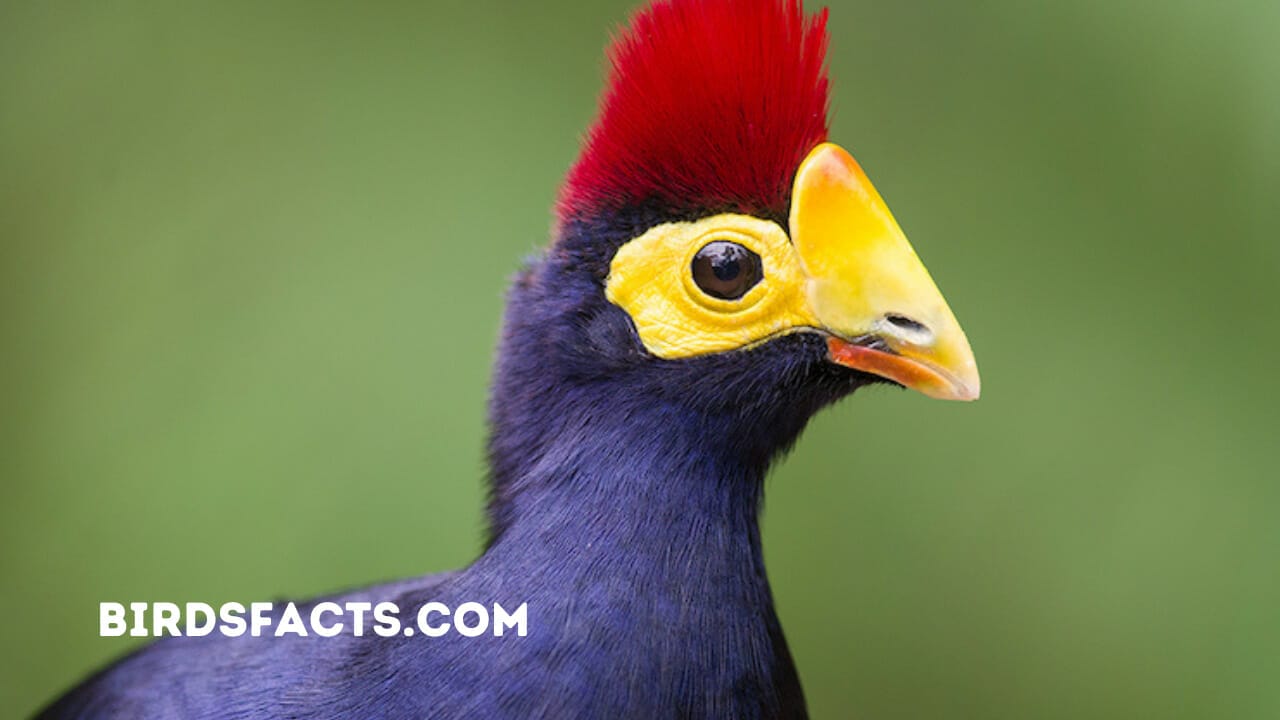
[645,538]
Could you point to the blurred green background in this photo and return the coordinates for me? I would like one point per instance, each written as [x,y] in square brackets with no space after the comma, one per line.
[251,265]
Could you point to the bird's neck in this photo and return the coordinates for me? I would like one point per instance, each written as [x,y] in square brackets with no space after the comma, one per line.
[645,495]
[637,532]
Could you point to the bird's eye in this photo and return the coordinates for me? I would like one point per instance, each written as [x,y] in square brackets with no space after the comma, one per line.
[726,270]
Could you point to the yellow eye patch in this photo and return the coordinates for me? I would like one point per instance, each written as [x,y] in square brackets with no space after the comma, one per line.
[651,278]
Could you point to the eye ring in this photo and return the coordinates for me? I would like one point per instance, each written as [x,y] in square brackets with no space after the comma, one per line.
[726,270]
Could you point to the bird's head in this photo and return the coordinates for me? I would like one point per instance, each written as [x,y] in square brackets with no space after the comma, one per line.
[714,252]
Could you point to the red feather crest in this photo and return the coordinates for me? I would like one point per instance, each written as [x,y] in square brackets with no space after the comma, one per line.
[709,104]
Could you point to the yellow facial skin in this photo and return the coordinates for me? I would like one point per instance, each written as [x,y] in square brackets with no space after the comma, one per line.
[650,278]
[846,271]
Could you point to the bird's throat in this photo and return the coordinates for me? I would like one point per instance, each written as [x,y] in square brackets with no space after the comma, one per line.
[649,502]
[640,544]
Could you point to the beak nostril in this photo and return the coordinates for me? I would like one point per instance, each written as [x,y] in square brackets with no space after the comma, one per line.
[907,330]
[902,322]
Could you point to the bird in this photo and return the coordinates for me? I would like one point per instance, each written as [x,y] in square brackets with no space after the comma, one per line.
[718,271]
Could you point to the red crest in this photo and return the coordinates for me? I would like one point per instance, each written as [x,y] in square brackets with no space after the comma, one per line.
[709,104]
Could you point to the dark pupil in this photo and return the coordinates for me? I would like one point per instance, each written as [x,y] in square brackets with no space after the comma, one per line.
[726,270]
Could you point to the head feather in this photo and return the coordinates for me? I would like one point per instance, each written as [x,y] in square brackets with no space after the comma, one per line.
[709,104]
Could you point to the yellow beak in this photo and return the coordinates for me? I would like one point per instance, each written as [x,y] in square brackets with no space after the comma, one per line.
[867,288]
